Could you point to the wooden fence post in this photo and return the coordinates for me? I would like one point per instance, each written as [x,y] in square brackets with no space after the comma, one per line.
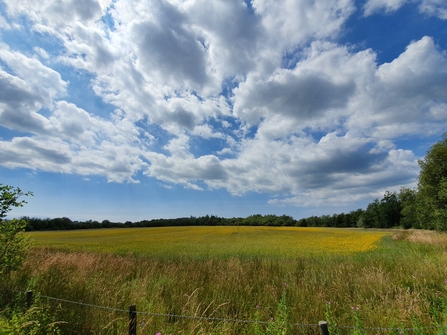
[133,319]
[29,299]
[323,327]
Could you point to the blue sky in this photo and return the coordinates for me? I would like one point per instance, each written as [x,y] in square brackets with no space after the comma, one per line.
[131,110]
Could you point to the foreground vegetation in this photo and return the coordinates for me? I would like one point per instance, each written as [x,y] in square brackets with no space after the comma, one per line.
[400,284]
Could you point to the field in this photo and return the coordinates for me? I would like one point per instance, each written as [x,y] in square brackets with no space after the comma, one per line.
[214,241]
[362,282]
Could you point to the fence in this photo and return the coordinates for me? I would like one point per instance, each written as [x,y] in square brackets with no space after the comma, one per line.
[322,326]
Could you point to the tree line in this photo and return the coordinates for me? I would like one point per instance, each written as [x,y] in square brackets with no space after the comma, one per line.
[383,213]
[65,223]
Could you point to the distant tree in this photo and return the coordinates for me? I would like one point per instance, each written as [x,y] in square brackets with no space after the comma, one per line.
[325,221]
[432,187]
[13,244]
[270,220]
[389,210]
[370,217]
[338,220]
[384,213]
[60,223]
[353,217]
[301,223]
[408,208]
[106,224]
[253,220]
[313,221]
[287,220]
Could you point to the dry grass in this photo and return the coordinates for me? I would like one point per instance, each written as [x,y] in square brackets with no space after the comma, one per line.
[422,236]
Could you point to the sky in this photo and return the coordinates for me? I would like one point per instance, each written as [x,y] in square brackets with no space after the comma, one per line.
[131,110]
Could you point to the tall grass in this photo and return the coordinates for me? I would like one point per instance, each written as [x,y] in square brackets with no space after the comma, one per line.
[400,284]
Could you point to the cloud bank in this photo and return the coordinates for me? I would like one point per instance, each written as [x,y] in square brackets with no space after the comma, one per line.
[243,96]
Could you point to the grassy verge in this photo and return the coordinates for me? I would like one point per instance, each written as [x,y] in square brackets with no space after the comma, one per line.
[400,284]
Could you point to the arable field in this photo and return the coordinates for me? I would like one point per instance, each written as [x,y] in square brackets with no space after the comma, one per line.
[214,241]
[360,281]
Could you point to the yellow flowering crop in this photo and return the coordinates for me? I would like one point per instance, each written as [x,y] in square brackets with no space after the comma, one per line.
[214,241]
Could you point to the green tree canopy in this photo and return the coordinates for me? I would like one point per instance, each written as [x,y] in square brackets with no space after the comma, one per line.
[407,198]
[432,187]
[13,244]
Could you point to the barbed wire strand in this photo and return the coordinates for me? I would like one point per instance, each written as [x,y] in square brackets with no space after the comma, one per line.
[179,316]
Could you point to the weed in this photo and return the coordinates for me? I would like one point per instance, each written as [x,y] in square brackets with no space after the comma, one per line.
[37,320]
[257,326]
[330,319]
[358,323]
[280,323]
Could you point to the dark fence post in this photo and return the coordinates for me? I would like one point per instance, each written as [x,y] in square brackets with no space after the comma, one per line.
[323,327]
[133,319]
[29,299]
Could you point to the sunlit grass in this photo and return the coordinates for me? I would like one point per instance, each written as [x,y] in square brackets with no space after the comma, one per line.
[240,273]
[214,241]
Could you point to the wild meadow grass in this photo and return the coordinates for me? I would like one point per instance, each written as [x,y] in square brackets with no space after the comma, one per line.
[394,281]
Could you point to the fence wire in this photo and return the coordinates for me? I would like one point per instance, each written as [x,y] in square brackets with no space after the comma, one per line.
[175,316]
[205,318]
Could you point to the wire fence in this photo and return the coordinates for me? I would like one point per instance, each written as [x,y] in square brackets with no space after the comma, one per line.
[322,326]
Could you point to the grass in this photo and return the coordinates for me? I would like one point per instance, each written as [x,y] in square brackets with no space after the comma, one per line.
[396,282]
